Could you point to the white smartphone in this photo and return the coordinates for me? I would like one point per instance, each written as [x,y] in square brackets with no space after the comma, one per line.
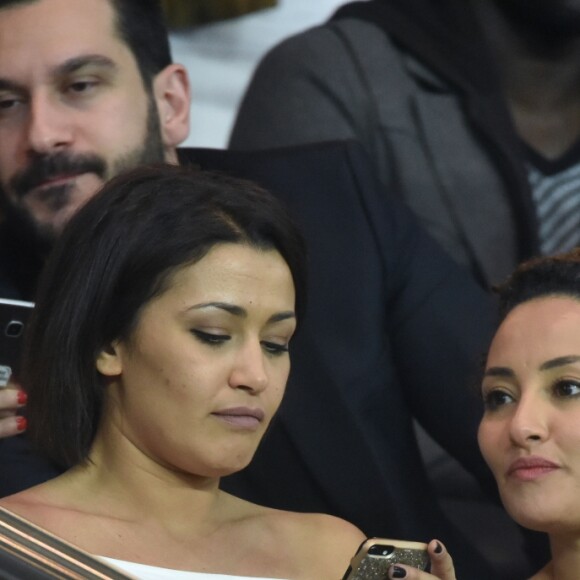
[13,317]
[376,555]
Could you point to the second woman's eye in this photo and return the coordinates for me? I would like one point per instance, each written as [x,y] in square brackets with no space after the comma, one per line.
[566,388]
[496,398]
[210,338]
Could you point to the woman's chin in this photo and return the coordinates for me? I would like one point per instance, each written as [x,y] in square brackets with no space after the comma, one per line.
[537,518]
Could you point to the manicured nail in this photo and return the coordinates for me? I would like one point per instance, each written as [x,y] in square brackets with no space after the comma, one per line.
[438,548]
[21,423]
[399,572]
[22,397]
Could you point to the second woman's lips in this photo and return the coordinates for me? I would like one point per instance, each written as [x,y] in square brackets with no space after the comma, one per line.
[243,417]
[530,468]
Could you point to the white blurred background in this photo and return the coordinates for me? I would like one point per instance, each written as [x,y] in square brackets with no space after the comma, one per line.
[221,58]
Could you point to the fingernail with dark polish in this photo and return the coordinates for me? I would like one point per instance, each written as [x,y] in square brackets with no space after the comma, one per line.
[438,548]
[399,572]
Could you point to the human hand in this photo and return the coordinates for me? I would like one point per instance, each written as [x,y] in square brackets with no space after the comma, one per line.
[12,398]
[441,566]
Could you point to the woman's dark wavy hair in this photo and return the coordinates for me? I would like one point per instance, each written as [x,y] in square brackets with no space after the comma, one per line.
[141,25]
[115,255]
[557,275]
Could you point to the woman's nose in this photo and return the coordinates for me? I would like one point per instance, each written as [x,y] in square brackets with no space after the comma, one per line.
[530,421]
[249,369]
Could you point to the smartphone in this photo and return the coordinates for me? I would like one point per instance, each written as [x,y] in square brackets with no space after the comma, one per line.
[13,317]
[375,555]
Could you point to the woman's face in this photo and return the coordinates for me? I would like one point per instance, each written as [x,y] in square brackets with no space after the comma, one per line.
[197,383]
[530,431]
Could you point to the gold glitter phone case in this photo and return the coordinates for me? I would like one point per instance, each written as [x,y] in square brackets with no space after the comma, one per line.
[376,555]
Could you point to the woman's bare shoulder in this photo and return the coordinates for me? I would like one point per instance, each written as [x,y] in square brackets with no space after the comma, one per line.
[46,507]
[26,503]
[322,543]
[34,507]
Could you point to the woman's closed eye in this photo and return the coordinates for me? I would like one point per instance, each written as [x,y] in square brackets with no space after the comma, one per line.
[274,348]
[211,338]
[271,347]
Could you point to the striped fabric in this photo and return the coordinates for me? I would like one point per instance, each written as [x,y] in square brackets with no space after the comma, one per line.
[557,199]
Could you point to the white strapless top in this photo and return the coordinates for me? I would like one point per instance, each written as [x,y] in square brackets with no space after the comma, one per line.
[144,572]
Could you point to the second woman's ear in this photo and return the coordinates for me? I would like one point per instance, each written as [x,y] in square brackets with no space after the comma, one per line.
[108,361]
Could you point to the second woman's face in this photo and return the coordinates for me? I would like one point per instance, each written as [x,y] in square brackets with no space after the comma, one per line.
[530,431]
[197,384]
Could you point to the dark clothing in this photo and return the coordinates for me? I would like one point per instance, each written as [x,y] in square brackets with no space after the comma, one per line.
[394,331]
[20,266]
[414,82]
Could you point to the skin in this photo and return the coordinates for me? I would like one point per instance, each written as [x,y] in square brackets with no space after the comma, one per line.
[99,108]
[441,565]
[531,391]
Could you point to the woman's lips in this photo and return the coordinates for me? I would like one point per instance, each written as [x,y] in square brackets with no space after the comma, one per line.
[531,468]
[241,417]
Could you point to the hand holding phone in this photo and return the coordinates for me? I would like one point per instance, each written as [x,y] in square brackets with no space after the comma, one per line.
[376,555]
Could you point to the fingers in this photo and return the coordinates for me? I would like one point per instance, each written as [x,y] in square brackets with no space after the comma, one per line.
[11,399]
[441,561]
[441,566]
[10,426]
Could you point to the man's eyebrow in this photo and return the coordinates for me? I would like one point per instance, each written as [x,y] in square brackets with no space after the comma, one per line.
[6,85]
[559,362]
[74,64]
[65,68]
[241,312]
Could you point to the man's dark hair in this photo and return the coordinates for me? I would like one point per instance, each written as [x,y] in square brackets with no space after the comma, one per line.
[141,25]
[557,275]
[115,255]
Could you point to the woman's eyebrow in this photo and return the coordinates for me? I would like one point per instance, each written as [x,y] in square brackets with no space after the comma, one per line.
[230,308]
[499,372]
[559,362]
[242,312]
[282,316]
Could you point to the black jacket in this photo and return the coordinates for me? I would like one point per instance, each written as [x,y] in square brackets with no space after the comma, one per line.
[413,81]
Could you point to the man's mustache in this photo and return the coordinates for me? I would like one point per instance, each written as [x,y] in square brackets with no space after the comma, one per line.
[43,168]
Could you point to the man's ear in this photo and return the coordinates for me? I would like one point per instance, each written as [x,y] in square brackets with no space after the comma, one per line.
[173,98]
[109,362]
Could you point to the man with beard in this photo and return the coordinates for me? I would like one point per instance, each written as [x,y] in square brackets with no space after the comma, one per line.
[469,110]
[393,330]
[74,113]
